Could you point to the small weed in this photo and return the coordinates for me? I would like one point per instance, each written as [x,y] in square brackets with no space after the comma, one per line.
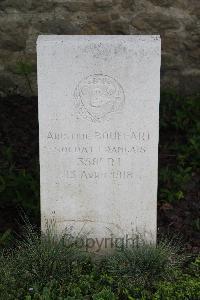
[25,69]
[146,263]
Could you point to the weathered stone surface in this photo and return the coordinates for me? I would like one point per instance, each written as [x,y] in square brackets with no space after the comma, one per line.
[166,3]
[128,4]
[99,114]
[7,85]
[103,3]
[101,19]
[27,6]
[155,22]
[13,39]
[120,27]
[77,5]
[176,21]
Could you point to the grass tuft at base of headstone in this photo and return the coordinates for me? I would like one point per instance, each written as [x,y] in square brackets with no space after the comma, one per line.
[40,267]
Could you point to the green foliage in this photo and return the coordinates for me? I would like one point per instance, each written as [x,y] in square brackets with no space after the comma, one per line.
[25,69]
[36,261]
[179,145]
[105,294]
[179,114]
[196,224]
[185,288]
[19,189]
[48,268]
[145,263]
[186,285]
[5,238]
[175,183]
[195,267]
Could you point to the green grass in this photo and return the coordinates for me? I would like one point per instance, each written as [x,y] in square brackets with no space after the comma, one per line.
[49,268]
[146,263]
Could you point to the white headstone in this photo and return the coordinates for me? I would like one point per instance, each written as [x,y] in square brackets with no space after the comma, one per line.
[99,126]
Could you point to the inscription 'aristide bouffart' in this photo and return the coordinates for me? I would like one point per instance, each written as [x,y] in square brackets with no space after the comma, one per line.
[98,96]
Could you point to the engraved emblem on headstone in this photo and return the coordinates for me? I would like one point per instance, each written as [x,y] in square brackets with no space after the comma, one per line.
[98,96]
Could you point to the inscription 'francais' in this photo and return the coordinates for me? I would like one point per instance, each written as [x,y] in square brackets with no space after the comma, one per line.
[107,149]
